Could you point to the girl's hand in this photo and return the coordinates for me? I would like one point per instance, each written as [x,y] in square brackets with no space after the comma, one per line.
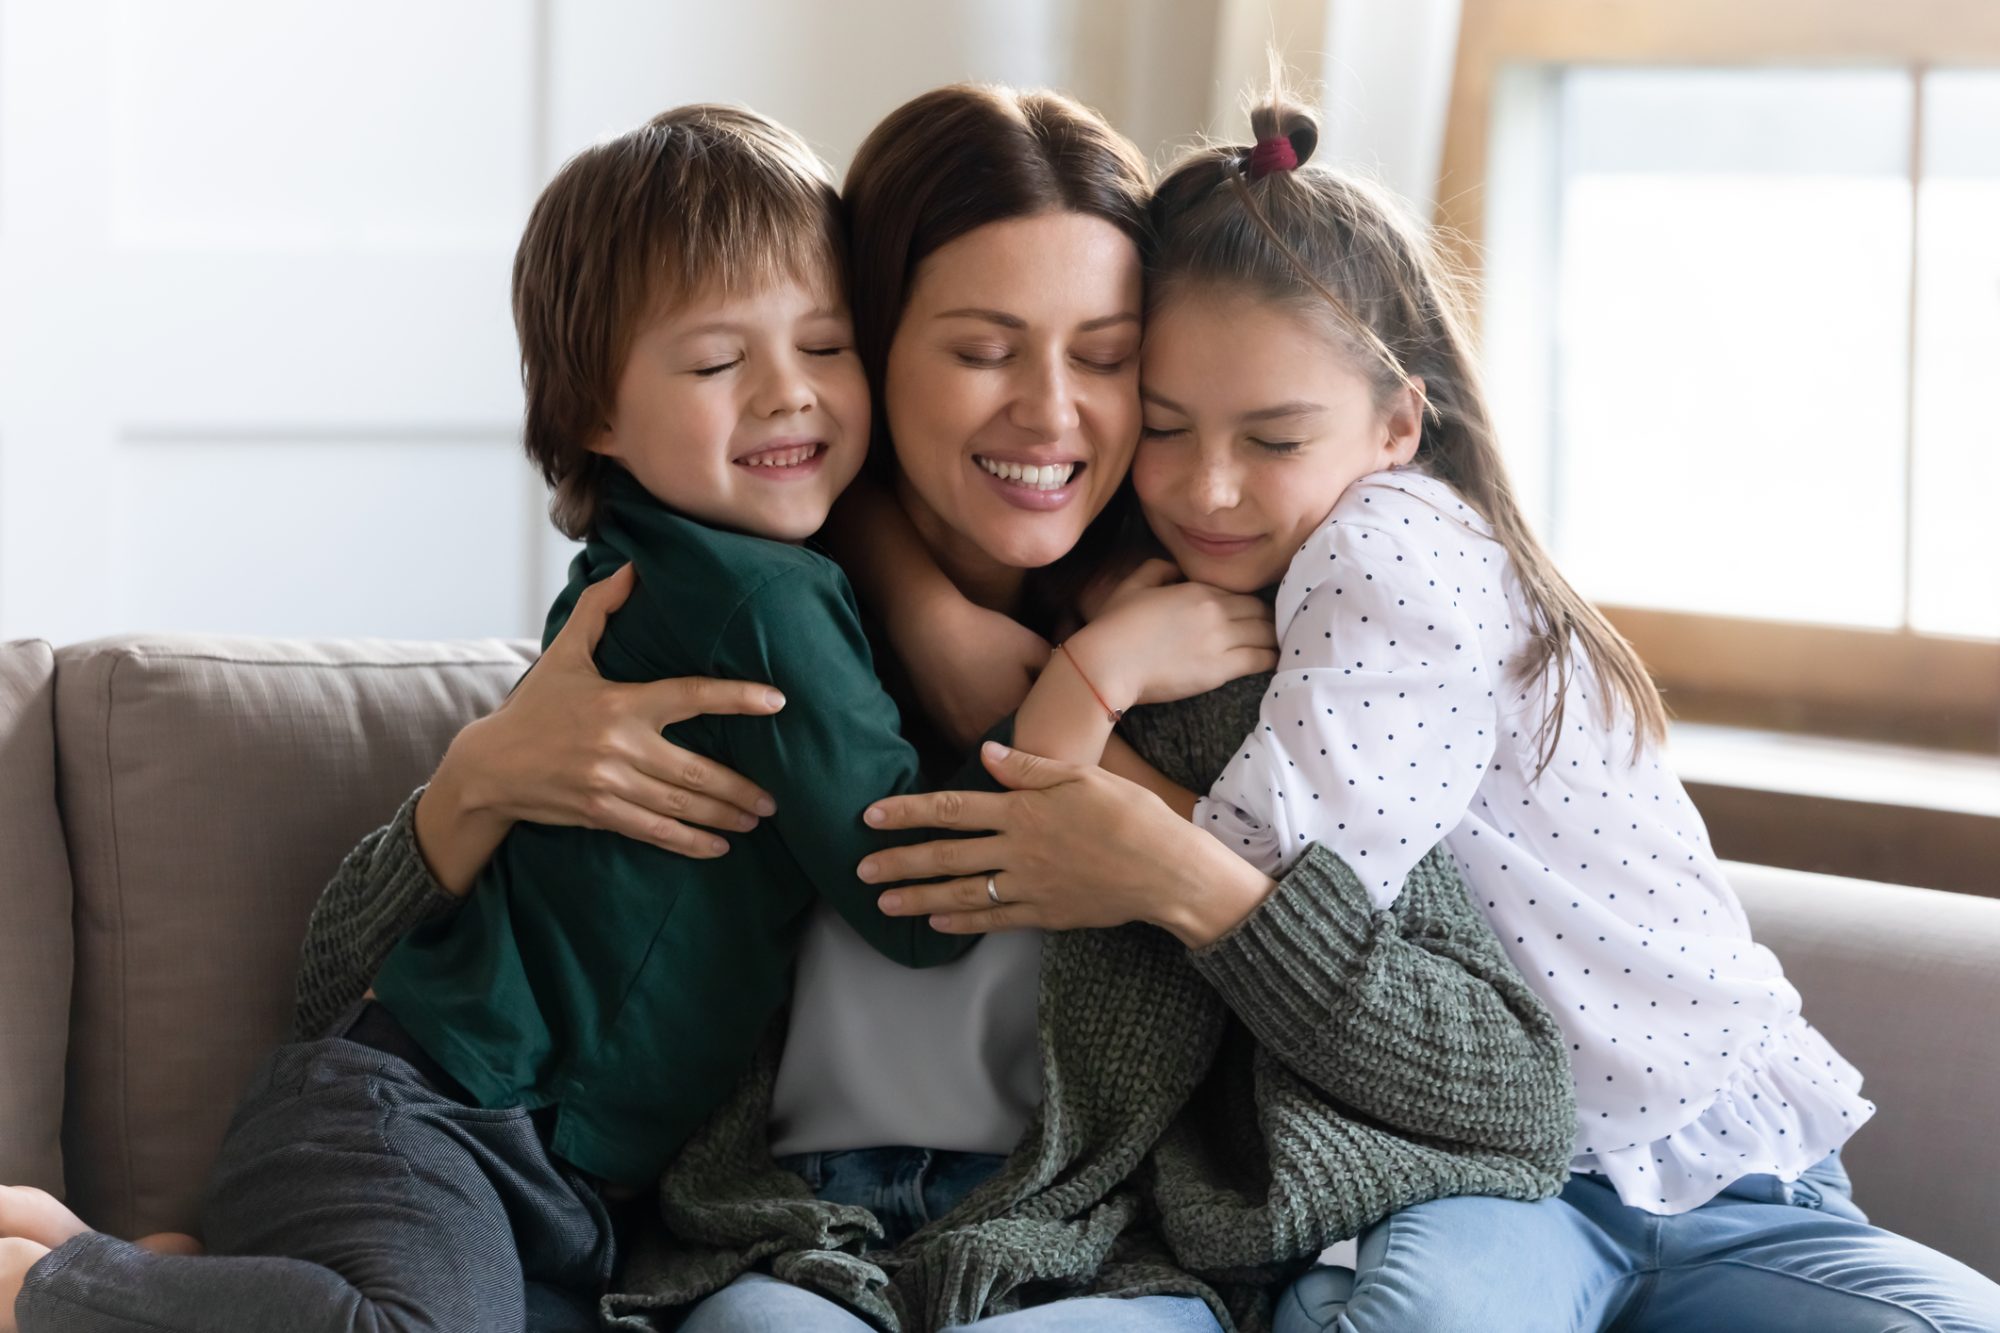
[970,667]
[1125,569]
[1159,638]
[568,747]
[1070,847]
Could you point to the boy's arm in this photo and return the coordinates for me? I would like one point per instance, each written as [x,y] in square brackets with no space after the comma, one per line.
[969,666]
[835,749]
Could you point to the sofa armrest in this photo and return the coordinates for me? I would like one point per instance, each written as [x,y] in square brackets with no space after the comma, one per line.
[209,788]
[35,934]
[1906,984]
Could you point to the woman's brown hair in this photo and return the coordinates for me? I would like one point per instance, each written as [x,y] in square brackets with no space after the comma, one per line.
[956,158]
[953,160]
[1343,253]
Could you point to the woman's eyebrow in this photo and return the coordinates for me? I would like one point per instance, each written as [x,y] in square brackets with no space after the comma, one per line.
[1007,321]
[1000,317]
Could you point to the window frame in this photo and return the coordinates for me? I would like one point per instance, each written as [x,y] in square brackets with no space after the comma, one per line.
[1902,685]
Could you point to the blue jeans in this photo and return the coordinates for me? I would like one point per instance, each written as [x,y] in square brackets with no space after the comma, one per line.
[905,1188]
[1763,1255]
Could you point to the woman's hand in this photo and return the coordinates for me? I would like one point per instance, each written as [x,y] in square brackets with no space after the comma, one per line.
[568,747]
[1069,847]
[1158,638]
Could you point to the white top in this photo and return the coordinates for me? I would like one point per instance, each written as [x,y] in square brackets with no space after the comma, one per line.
[1394,722]
[880,1055]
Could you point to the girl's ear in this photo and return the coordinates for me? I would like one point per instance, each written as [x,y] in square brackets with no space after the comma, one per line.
[1404,424]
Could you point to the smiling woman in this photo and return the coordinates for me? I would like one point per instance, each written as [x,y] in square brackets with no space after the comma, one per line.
[998,314]
[1009,390]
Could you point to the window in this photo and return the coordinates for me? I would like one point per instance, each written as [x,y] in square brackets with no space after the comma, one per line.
[1741,316]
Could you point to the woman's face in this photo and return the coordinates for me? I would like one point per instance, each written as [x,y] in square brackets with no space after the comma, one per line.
[1012,388]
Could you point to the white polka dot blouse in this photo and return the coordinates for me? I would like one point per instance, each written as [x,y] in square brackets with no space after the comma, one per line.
[1394,722]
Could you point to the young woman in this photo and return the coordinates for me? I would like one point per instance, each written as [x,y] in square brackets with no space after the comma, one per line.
[1181,1105]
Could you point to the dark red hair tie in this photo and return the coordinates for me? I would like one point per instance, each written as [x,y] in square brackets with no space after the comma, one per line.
[1273,154]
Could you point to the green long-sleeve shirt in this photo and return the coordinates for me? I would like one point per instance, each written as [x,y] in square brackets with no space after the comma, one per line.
[623,985]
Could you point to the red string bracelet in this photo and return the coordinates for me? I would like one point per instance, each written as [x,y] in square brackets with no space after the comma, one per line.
[1116,715]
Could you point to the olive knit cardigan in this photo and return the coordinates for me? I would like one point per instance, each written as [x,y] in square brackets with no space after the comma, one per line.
[1210,1119]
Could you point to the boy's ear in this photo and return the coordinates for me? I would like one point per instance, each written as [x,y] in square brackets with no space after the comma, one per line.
[1404,425]
[600,443]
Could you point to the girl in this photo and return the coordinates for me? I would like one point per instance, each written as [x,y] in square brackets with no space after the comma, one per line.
[1314,419]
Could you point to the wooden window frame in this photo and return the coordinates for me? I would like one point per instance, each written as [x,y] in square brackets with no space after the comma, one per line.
[1900,685]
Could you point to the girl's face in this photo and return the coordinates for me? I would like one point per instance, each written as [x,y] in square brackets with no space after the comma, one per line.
[1011,390]
[1255,422]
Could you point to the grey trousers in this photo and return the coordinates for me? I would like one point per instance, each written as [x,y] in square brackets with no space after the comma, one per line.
[353,1194]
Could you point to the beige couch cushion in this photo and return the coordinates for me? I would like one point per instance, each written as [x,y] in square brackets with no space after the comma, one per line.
[34,922]
[1906,984]
[210,787]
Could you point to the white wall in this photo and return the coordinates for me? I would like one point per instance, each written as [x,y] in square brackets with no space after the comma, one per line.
[256,368]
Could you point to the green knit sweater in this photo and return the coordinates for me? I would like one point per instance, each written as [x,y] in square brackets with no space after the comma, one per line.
[1211,1119]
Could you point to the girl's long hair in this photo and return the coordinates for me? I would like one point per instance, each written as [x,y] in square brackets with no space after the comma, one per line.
[1342,252]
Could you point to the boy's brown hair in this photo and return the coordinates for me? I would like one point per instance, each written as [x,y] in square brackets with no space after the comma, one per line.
[699,198]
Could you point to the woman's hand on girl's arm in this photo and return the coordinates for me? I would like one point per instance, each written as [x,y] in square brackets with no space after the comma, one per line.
[568,747]
[1070,846]
[969,666]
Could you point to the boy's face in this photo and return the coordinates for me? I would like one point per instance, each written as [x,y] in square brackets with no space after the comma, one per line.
[745,411]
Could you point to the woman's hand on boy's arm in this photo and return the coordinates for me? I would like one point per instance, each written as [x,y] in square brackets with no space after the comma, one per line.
[568,747]
[1070,847]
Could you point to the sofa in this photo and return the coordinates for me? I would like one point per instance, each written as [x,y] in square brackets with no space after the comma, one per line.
[171,806]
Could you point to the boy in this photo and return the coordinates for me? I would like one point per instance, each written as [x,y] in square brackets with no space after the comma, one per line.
[694,401]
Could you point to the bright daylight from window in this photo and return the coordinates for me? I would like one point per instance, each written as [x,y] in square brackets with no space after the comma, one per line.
[1717,411]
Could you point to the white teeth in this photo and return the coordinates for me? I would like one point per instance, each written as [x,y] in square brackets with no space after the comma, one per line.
[1051,477]
[783,457]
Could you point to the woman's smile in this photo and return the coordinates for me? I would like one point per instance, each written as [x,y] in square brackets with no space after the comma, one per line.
[1031,483]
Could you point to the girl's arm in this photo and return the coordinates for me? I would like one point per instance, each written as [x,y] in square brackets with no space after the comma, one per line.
[1376,734]
[1412,1015]
[1155,640]
[567,748]
[1126,762]
[969,667]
